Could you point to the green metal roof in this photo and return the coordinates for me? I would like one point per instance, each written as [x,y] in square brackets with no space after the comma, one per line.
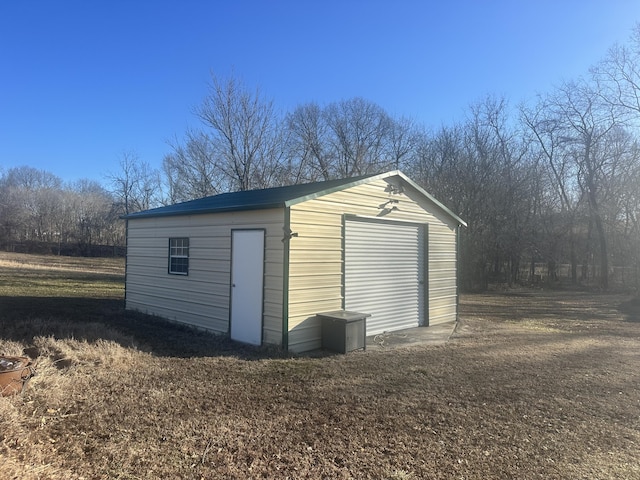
[277,197]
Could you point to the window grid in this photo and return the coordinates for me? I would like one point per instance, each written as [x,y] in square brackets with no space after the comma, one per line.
[179,256]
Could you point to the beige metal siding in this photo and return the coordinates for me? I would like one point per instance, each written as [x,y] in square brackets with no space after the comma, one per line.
[202,299]
[443,290]
[318,222]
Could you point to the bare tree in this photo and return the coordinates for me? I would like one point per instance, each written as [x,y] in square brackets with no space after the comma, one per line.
[308,134]
[499,163]
[564,199]
[483,170]
[93,214]
[191,169]
[403,138]
[348,138]
[617,76]
[136,185]
[573,132]
[245,134]
[359,132]
[31,195]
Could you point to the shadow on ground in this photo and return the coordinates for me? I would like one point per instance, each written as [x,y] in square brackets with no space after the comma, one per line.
[631,309]
[24,318]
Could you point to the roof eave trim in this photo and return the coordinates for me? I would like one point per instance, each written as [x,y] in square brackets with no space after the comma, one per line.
[202,211]
[431,198]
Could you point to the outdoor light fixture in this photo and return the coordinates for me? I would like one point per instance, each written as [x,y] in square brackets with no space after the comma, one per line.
[394,189]
[288,233]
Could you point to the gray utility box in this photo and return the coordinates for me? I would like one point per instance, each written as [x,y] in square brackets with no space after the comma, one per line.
[344,331]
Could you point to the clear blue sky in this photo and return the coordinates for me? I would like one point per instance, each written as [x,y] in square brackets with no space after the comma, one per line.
[83,81]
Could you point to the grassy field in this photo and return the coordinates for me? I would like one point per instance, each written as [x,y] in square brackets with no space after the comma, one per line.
[533,384]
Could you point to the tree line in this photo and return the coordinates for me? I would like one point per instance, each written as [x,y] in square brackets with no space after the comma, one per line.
[39,213]
[548,187]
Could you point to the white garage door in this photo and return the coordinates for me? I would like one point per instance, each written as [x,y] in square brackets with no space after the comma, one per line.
[384,273]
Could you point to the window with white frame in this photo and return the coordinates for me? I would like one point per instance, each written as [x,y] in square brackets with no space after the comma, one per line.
[179,256]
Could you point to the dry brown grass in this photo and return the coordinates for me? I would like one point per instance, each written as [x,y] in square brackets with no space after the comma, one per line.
[532,385]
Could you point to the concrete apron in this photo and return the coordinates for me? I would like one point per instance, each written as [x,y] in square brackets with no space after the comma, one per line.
[411,337]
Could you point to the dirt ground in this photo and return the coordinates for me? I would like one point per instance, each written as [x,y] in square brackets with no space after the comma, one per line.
[532,384]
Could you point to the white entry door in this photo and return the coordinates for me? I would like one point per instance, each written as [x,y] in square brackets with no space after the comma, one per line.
[247,273]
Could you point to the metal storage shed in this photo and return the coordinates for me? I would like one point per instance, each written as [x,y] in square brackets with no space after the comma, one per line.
[259,265]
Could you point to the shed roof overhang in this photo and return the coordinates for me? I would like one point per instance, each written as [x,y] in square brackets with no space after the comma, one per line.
[281,197]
